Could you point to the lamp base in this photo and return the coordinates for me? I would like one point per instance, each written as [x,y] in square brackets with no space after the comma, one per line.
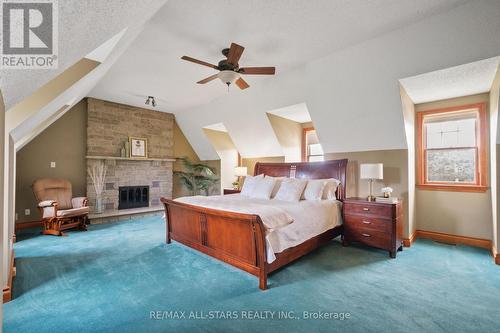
[370,198]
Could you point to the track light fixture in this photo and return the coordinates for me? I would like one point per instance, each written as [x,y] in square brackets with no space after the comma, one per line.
[151,100]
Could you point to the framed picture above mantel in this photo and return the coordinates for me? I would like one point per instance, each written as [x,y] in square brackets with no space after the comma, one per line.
[138,147]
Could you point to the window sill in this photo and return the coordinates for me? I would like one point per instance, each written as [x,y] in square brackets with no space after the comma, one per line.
[452,188]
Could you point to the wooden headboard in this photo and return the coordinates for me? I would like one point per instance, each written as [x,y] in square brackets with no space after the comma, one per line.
[310,170]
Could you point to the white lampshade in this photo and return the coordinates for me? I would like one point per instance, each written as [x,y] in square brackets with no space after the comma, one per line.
[371,171]
[240,171]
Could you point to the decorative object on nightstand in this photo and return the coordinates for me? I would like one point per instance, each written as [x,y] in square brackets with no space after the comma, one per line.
[239,172]
[371,171]
[231,191]
[386,191]
[374,223]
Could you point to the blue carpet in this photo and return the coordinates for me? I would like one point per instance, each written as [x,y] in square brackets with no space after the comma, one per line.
[112,277]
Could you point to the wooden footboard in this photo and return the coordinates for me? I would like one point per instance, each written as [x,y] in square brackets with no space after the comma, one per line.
[237,239]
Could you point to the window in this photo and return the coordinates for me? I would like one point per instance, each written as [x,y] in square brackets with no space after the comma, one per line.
[452,148]
[311,148]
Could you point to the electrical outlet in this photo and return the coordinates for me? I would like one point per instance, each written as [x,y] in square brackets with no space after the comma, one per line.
[52,164]
[27,212]
[17,217]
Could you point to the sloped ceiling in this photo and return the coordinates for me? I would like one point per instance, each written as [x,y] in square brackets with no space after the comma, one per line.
[83,26]
[342,58]
[464,80]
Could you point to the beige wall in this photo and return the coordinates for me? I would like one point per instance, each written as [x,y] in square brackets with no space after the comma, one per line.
[63,142]
[395,174]
[456,213]
[250,162]
[182,148]
[289,134]
[223,144]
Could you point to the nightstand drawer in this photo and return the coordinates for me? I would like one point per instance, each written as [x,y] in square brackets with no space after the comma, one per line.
[368,223]
[369,237]
[384,211]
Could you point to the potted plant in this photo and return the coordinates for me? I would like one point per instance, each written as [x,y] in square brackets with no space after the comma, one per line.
[196,177]
[97,173]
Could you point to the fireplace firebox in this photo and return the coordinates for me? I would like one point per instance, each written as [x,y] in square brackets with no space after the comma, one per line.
[133,197]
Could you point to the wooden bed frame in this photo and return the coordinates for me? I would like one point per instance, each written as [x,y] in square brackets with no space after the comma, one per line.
[239,239]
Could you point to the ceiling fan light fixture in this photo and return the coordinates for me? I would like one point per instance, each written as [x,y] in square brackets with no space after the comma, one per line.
[228,76]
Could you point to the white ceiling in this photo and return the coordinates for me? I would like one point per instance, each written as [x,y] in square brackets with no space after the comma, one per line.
[217,127]
[281,33]
[296,112]
[464,80]
[83,26]
[103,51]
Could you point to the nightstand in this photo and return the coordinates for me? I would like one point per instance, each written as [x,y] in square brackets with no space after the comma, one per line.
[231,191]
[373,223]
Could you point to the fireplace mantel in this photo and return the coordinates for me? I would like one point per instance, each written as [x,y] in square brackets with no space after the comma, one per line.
[129,159]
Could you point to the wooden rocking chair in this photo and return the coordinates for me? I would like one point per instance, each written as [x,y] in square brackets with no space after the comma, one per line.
[59,210]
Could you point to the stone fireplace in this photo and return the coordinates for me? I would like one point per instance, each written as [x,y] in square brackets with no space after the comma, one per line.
[109,125]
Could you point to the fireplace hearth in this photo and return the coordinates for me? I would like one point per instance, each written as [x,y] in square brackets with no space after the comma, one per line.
[133,197]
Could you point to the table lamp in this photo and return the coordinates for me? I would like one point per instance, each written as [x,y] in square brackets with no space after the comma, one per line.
[371,171]
[240,172]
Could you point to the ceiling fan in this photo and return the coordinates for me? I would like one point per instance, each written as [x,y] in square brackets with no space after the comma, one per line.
[230,70]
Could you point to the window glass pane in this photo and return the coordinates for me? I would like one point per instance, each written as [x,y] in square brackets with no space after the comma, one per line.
[315,149]
[467,137]
[316,158]
[452,133]
[451,165]
[311,137]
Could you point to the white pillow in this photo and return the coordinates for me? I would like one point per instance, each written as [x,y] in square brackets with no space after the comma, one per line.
[330,189]
[263,188]
[291,189]
[249,184]
[314,189]
[277,185]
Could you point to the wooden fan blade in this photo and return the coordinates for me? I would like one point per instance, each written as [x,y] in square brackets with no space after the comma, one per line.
[234,54]
[199,62]
[208,79]
[242,84]
[258,70]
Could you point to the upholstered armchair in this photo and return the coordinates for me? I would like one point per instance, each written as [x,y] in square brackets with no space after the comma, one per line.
[58,208]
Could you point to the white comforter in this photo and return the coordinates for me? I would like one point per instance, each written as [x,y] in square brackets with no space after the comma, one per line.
[287,223]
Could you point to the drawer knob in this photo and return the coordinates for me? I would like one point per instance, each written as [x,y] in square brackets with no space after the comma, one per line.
[366,235]
[367,222]
[366,209]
